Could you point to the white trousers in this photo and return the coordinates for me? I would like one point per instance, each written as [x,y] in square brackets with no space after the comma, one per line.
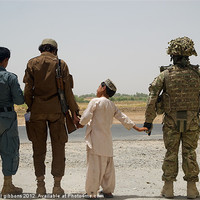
[100,172]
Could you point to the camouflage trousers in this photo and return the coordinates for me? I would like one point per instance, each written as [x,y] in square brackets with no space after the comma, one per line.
[172,139]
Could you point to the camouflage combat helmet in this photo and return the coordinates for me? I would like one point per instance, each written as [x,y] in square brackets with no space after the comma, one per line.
[182,46]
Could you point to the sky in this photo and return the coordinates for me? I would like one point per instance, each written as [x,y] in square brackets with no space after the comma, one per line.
[125,41]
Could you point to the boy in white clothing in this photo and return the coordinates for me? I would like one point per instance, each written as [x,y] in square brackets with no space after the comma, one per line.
[99,118]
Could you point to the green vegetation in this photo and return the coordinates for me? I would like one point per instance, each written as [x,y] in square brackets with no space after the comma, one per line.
[127,97]
[117,97]
[125,102]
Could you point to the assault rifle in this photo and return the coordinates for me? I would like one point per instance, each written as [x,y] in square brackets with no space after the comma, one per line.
[65,108]
[163,68]
[194,68]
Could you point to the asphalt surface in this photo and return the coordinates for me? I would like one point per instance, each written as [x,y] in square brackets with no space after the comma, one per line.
[118,132]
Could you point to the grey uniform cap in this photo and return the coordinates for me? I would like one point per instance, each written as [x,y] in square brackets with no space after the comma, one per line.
[110,85]
[50,41]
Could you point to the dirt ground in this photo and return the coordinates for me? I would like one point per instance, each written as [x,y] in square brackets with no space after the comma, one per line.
[138,167]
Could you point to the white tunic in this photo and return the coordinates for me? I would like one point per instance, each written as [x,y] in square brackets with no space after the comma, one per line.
[99,118]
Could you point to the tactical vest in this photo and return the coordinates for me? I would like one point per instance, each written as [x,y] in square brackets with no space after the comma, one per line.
[182,86]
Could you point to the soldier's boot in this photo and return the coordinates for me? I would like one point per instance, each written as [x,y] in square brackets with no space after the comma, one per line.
[41,190]
[57,190]
[9,188]
[168,190]
[192,192]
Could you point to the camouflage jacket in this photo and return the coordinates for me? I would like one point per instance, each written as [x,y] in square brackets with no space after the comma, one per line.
[182,98]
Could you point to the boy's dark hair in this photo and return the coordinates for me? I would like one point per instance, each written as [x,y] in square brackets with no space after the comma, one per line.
[109,92]
[4,53]
[47,48]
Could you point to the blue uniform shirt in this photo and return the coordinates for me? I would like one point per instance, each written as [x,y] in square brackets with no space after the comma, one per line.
[10,91]
[10,94]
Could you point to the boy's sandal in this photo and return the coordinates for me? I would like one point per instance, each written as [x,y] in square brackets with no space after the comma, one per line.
[106,195]
[86,196]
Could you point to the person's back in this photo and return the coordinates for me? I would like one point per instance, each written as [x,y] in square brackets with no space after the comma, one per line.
[10,90]
[44,70]
[182,86]
[104,113]
[45,92]
[102,120]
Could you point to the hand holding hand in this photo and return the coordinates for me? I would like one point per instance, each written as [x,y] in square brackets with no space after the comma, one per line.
[140,129]
[75,119]
[78,125]
[149,126]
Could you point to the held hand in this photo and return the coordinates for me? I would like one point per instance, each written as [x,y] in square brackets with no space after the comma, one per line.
[140,129]
[75,119]
[149,126]
[78,125]
[143,129]
[149,132]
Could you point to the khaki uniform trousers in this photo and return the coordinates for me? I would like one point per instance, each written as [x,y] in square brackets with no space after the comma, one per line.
[37,133]
[172,139]
[100,172]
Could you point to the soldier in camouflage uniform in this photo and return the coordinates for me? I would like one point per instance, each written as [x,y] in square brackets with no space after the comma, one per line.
[175,92]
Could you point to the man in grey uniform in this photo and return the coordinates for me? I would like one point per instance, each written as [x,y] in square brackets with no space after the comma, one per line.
[9,140]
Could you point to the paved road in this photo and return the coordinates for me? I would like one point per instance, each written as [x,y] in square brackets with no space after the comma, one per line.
[118,131]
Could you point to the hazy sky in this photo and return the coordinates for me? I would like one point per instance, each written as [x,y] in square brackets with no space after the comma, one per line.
[125,41]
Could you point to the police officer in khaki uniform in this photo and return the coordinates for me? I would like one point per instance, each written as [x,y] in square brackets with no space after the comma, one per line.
[175,92]
[41,96]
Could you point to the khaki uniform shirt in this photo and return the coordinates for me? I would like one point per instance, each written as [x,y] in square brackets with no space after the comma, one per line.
[40,92]
[99,118]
